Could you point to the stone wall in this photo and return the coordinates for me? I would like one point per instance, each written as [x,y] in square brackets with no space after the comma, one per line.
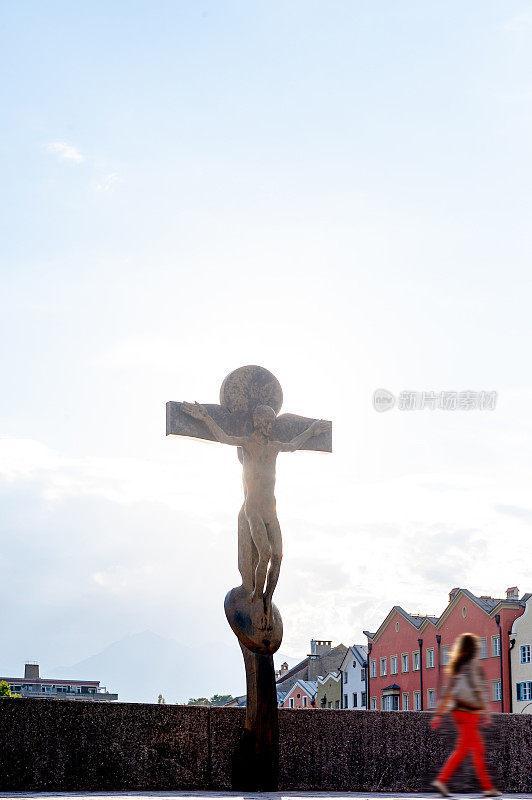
[50,745]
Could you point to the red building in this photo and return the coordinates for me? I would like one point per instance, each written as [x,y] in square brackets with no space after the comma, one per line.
[408,653]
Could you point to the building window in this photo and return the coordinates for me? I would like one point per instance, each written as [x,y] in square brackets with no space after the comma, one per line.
[291,702]
[464,612]
[524,690]
[390,702]
[337,704]
[373,668]
[404,662]
[495,646]
[430,657]
[406,701]
[383,666]
[496,691]
[417,701]
[374,703]
[445,654]
[346,677]
[363,675]
[415,660]
[363,700]
[525,654]
[346,704]
[355,700]
[305,701]
[393,665]
[431,698]
[483,648]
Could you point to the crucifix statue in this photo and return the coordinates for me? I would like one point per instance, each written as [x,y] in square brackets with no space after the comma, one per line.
[247,418]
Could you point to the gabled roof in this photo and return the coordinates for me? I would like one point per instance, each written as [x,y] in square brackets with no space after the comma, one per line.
[310,687]
[240,702]
[237,701]
[490,605]
[293,671]
[487,604]
[357,651]
[416,620]
[334,675]
[310,666]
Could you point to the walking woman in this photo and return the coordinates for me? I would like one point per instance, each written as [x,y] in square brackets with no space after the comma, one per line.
[466,697]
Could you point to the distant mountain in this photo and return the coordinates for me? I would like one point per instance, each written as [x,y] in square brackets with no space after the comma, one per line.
[280,658]
[144,665]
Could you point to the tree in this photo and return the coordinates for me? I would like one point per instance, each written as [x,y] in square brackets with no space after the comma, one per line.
[161,701]
[5,690]
[216,700]
[220,699]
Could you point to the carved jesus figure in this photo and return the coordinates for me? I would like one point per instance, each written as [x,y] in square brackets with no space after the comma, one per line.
[259,456]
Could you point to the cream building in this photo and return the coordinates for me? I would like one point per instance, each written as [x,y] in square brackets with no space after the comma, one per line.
[329,692]
[521,660]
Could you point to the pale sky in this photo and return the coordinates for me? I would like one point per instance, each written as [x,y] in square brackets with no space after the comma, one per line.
[337,191]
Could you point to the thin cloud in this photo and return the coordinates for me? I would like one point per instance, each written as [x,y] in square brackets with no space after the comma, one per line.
[515,511]
[65,151]
[519,23]
[109,182]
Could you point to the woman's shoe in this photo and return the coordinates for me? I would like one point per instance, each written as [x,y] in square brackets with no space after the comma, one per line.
[491,793]
[442,788]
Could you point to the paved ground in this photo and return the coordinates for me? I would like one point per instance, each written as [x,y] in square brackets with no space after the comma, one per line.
[243,796]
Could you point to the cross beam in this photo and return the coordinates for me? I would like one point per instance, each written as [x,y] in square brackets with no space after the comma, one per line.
[240,423]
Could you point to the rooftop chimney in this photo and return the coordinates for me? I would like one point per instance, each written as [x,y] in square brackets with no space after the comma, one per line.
[319,646]
[281,671]
[453,592]
[31,672]
[512,593]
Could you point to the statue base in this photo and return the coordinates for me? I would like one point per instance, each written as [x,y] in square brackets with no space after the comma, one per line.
[255,765]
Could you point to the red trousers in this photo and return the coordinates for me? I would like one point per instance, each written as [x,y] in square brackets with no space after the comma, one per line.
[469,741]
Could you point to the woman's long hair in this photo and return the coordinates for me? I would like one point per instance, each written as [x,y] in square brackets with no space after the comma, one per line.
[465,649]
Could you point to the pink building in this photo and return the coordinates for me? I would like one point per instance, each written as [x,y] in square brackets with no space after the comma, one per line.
[408,652]
[301,695]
